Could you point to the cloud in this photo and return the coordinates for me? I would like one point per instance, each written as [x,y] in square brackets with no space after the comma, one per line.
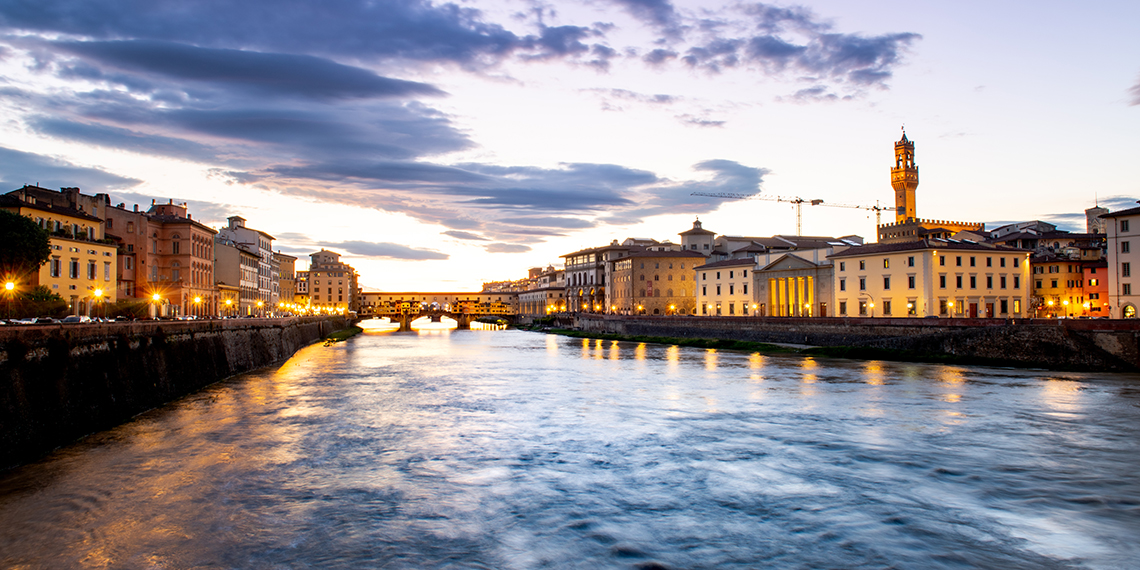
[464,235]
[699,122]
[18,168]
[506,248]
[209,213]
[386,250]
[659,13]
[274,74]
[1135,92]
[550,222]
[103,135]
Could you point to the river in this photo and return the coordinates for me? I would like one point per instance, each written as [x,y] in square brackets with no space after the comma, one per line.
[517,450]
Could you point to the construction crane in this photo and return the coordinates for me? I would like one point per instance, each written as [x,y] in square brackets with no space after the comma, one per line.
[798,202]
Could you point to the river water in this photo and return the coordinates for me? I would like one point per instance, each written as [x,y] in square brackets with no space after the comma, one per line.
[509,449]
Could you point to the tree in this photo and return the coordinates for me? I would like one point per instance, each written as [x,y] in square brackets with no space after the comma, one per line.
[26,245]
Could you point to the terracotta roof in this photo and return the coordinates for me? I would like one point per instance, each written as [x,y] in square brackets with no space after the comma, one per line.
[918,245]
[9,201]
[1128,212]
[681,253]
[728,263]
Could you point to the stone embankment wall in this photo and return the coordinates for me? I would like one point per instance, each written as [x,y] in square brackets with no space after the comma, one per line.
[60,382]
[1096,344]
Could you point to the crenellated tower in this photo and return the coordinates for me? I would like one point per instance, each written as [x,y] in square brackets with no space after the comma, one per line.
[904,179]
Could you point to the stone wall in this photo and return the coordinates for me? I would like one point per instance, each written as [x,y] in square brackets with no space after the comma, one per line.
[1059,344]
[60,382]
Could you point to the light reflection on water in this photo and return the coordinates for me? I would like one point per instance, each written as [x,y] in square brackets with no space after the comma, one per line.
[476,449]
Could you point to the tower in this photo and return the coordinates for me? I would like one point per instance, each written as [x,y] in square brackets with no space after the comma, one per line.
[904,179]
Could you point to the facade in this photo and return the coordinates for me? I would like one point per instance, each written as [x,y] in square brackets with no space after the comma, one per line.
[1096,288]
[332,283]
[931,278]
[129,228]
[908,226]
[585,281]
[81,268]
[286,281]
[796,285]
[546,294]
[726,288]
[655,283]
[234,267]
[1058,286]
[301,289]
[181,261]
[258,243]
[698,239]
[1122,299]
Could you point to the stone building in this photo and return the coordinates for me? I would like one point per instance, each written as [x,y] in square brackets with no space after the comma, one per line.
[1122,299]
[181,260]
[585,281]
[235,267]
[286,266]
[546,293]
[332,283]
[655,283]
[258,243]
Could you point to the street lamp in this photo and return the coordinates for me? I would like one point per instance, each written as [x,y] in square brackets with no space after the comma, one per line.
[872,310]
[951,305]
[98,294]
[229,307]
[260,304]
[197,306]
[10,290]
[157,304]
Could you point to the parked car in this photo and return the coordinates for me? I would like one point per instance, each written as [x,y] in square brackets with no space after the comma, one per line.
[45,321]
[76,319]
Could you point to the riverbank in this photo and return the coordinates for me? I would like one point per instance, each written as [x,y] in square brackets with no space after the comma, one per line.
[1088,345]
[849,352]
[61,382]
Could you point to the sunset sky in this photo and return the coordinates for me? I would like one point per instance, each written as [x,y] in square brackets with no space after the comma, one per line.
[440,145]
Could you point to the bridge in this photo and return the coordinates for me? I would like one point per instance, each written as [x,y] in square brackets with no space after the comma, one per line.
[465,308]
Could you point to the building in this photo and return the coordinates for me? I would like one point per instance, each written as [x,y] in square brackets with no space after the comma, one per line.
[301,289]
[237,268]
[286,281]
[129,229]
[181,261]
[698,239]
[81,265]
[379,304]
[1096,288]
[1121,259]
[907,225]
[545,295]
[723,287]
[650,282]
[931,278]
[585,281]
[796,284]
[1058,286]
[258,243]
[332,283]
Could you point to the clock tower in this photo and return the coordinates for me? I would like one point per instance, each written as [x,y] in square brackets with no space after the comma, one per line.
[904,179]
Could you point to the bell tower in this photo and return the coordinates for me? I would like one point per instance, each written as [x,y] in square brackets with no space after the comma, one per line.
[904,179]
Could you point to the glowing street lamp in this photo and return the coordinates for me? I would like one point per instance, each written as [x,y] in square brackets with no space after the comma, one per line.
[9,290]
[260,304]
[98,297]
[229,306]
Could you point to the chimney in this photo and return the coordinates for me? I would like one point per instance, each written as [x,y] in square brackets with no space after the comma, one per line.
[136,207]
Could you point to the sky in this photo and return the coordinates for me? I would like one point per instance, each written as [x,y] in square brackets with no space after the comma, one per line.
[437,146]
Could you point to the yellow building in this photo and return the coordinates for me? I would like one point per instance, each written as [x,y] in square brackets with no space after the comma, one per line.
[723,287]
[82,265]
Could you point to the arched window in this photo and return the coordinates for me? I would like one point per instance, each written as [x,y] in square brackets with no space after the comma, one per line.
[1129,311]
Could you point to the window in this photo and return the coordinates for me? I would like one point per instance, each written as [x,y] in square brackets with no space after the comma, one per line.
[973,261]
[910,261]
[730,275]
[1002,261]
[959,261]
[1016,282]
[1124,248]
[91,270]
[1004,306]
[886,263]
[742,274]
[942,260]
[1017,262]
[745,288]
[1126,270]
[862,283]
[1123,225]
[1003,281]
[843,308]
[958,281]
[718,275]
[973,282]
[1093,282]
[731,291]
[55,267]
[73,269]
[705,276]
[989,262]
[989,281]
[1126,288]
[941,281]
[910,281]
[862,264]
[911,307]
[1037,283]
[128,263]
[886,308]
[704,290]
[1054,285]
[842,284]
[843,266]
[886,283]
[862,308]
[942,306]
[718,289]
